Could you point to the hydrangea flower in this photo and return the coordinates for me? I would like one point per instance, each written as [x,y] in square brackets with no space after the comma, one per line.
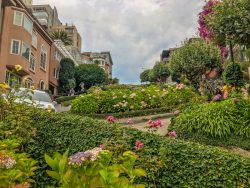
[111,119]
[81,157]
[180,86]
[7,161]
[130,121]
[172,134]
[217,97]
[138,145]
[154,124]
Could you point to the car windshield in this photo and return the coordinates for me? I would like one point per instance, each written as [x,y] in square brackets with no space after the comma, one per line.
[36,96]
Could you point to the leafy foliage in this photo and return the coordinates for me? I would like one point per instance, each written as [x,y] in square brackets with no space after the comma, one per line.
[194,59]
[230,21]
[85,104]
[168,162]
[98,173]
[233,75]
[63,36]
[219,119]
[21,169]
[161,71]
[66,76]
[144,76]
[90,75]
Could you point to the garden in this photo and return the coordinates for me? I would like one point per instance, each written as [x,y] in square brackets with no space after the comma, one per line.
[88,148]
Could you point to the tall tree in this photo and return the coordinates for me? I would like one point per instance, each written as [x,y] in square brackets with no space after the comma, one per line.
[229,22]
[90,75]
[63,36]
[144,76]
[194,59]
[161,71]
[66,75]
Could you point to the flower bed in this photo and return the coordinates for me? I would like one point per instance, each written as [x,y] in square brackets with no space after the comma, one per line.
[141,98]
[168,162]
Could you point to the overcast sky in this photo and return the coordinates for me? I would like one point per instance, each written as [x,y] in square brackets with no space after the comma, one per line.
[134,31]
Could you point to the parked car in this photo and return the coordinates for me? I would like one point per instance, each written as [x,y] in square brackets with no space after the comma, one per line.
[40,99]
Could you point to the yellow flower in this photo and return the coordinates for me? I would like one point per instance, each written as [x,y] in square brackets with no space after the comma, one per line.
[4,86]
[18,68]
[32,87]
[49,108]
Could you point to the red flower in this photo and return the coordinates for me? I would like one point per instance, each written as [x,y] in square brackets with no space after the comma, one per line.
[138,145]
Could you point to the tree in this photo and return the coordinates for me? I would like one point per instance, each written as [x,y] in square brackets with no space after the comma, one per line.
[63,36]
[161,71]
[66,75]
[90,75]
[194,59]
[144,76]
[229,22]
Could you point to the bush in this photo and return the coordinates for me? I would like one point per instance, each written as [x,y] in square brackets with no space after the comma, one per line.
[168,162]
[233,75]
[217,119]
[140,98]
[85,104]
[225,123]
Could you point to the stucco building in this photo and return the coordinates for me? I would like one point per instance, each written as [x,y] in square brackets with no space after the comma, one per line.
[25,42]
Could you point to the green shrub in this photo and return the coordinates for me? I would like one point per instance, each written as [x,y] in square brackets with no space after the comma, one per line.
[140,98]
[85,104]
[233,75]
[168,162]
[217,119]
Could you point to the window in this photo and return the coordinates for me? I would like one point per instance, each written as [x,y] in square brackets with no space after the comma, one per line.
[15,47]
[32,62]
[28,83]
[12,79]
[34,40]
[18,18]
[56,73]
[27,24]
[43,57]
[58,56]
[26,51]
[42,85]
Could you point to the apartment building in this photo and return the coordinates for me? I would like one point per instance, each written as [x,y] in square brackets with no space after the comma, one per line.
[103,59]
[25,42]
[46,15]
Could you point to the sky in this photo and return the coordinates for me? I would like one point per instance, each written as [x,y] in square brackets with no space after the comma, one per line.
[134,31]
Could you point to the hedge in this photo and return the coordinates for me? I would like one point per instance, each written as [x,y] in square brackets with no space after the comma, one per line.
[168,162]
[59,100]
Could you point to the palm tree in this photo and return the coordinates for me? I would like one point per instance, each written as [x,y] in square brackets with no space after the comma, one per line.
[63,36]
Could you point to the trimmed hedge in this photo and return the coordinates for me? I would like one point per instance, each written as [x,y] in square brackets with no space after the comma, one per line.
[168,162]
[59,100]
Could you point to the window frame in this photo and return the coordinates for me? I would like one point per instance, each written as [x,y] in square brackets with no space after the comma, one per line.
[14,19]
[19,46]
[31,29]
[30,67]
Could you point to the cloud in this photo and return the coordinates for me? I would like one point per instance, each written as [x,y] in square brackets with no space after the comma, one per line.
[134,31]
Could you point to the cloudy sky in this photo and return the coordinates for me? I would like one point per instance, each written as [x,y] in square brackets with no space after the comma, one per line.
[134,31]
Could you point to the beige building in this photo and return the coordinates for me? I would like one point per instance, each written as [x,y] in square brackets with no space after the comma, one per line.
[72,33]
[28,2]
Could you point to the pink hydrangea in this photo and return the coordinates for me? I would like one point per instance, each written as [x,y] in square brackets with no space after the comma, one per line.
[154,124]
[138,145]
[172,134]
[217,97]
[111,119]
[130,121]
